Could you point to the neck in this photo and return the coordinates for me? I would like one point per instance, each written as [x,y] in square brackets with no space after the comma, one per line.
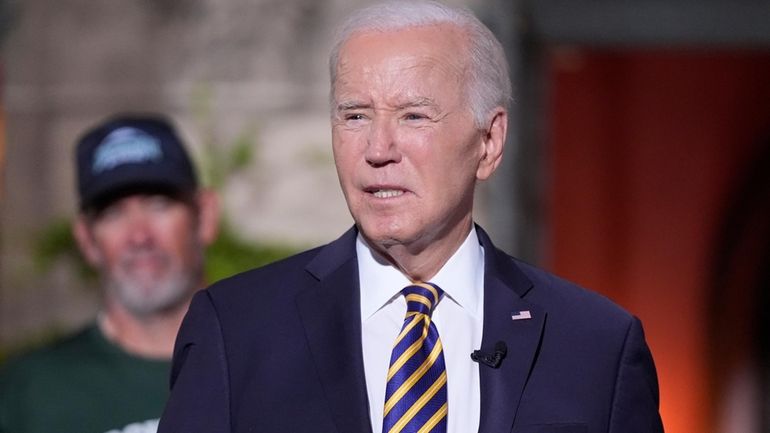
[150,337]
[421,262]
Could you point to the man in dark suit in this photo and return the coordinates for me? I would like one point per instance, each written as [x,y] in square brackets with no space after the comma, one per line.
[412,321]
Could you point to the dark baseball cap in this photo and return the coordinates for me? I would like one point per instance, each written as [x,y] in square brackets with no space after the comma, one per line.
[132,153]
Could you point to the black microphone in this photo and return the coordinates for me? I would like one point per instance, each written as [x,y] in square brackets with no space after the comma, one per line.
[491,359]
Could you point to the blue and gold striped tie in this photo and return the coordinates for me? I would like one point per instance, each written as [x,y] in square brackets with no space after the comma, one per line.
[416,392]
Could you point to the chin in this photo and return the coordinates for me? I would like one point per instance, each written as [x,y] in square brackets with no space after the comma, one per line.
[384,235]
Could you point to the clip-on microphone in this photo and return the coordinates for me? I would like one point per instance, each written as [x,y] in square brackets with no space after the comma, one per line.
[491,359]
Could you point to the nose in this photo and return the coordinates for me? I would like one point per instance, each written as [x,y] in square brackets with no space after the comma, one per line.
[140,232]
[381,146]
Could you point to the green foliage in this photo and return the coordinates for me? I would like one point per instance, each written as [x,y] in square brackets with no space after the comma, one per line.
[243,152]
[56,242]
[230,255]
[219,166]
[220,162]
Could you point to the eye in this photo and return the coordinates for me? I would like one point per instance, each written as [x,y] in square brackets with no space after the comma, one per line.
[415,117]
[354,116]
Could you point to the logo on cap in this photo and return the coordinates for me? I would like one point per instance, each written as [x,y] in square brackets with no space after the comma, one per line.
[125,146]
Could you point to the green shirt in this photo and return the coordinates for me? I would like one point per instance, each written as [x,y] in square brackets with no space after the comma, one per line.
[83,384]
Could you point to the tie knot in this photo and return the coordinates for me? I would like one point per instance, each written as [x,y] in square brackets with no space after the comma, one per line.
[422,297]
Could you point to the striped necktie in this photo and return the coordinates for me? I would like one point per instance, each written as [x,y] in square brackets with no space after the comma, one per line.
[416,392]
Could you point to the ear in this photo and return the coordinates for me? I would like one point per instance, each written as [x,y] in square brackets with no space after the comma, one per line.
[493,141]
[86,242]
[208,216]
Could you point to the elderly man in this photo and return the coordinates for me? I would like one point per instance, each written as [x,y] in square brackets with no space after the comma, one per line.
[412,321]
[143,225]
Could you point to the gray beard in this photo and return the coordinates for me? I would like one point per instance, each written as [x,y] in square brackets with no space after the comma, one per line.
[144,299]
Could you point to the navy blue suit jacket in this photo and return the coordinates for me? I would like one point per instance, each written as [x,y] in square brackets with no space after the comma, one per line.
[278,349]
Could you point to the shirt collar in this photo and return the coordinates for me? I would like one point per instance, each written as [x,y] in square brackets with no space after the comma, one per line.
[461,277]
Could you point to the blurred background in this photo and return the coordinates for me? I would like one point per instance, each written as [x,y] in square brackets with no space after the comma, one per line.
[638,161]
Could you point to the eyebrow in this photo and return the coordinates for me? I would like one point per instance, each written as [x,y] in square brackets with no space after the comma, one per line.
[419,102]
[356,105]
[352,105]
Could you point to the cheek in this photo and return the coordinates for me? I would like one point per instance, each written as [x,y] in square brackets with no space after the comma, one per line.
[346,157]
[184,235]
[180,248]
[106,246]
[453,168]
[345,138]
[176,231]
[105,255]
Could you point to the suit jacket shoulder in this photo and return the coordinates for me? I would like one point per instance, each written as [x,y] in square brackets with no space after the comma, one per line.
[288,276]
[577,361]
[274,349]
[567,298]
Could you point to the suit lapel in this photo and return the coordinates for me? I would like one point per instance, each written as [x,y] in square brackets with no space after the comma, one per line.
[502,388]
[331,316]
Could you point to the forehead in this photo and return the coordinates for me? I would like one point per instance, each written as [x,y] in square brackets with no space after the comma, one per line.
[428,55]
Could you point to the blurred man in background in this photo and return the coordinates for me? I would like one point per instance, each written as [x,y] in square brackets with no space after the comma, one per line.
[143,224]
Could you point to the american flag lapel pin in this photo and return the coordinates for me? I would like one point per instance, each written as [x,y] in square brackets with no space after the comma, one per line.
[521,315]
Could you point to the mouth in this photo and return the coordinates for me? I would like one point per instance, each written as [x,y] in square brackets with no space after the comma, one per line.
[387,193]
[145,262]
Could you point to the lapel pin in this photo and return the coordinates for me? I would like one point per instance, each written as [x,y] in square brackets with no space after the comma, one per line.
[521,315]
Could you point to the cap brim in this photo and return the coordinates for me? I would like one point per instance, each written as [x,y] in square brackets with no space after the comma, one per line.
[139,179]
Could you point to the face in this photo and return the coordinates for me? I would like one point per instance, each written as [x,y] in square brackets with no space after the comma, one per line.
[407,151]
[148,249]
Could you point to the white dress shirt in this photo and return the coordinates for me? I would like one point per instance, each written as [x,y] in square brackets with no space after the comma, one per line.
[458,318]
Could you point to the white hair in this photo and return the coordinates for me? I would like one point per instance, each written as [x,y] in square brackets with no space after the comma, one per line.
[488,84]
